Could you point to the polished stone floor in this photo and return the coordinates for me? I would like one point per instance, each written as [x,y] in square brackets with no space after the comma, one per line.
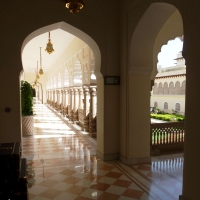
[62,165]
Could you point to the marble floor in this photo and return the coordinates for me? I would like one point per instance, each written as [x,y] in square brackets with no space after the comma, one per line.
[62,165]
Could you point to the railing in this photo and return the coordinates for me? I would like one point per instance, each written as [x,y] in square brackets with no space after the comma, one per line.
[167,136]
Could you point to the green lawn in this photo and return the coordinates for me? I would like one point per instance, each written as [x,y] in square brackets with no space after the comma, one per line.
[168,117]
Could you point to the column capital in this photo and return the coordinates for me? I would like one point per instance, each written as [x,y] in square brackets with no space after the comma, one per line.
[67,90]
[80,90]
[86,91]
[93,91]
[71,90]
[75,90]
[63,91]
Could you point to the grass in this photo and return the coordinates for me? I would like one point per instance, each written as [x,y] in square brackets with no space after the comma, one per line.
[168,117]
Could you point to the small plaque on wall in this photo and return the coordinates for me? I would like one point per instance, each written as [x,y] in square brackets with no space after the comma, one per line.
[111,80]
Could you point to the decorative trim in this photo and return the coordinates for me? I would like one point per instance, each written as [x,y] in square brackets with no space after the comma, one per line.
[107,156]
[135,161]
[140,71]
[171,76]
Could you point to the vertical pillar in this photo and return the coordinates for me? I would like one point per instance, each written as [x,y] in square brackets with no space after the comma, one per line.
[58,99]
[86,109]
[191,172]
[93,102]
[80,99]
[93,112]
[71,104]
[54,98]
[66,98]
[51,97]
[86,101]
[80,108]
[135,140]
[47,94]
[63,98]
[75,109]
[63,102]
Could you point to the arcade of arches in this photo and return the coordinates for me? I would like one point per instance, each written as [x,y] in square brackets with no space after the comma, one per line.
[125,37]
[72,88]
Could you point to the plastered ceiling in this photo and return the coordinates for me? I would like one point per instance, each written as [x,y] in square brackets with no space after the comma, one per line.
[31,53]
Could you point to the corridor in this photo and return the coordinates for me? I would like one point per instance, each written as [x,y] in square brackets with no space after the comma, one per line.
[62,165]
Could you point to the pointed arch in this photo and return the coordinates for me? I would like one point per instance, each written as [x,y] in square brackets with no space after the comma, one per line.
[66,76]
[74,31]
[165,88]
[171,88]
[160,88]
[177,89]
[77,73]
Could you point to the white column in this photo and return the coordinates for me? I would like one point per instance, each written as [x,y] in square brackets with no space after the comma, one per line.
[86,101]
[76,99]
[54,96]
[69,98]
[93,102]
[66,97]
[63,97]
[51,97]
[47,94]
[80,99]
[72,99]
[58,96]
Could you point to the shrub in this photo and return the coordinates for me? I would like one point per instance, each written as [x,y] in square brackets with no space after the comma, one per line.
[26,99]
[167,117]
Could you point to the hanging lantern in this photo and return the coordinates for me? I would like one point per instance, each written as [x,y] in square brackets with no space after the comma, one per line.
[74,6]
[37,75]
[49,48]
[41,70]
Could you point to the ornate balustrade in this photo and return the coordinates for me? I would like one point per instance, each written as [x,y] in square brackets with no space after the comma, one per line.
[167,136]
[78,105]
[83,120]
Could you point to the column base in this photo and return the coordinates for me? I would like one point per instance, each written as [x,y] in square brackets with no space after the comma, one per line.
[135,161]
[107,157]
[182,198]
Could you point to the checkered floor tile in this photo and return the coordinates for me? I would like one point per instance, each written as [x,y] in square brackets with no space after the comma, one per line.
[62,165]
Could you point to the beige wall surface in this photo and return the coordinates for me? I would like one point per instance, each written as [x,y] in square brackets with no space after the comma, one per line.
[77,49]
[171,100]
[122,35]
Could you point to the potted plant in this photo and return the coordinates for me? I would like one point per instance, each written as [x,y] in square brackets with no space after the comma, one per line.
[27,108]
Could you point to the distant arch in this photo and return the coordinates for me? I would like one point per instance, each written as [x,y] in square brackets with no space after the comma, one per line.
[160,88]
[155,89]
[166,88]
[177,106]
[66,77]
[77,73]
[177,89]
[165,105]
[183,87]
[171,88]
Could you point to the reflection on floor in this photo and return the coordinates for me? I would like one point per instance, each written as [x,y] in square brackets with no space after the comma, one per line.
[62,166]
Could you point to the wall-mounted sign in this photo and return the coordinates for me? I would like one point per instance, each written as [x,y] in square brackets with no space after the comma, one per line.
[111,80]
